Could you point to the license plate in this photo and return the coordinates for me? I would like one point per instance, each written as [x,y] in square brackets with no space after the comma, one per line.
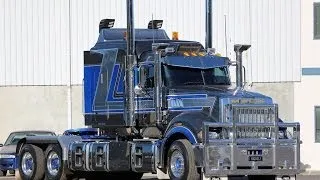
[255,158]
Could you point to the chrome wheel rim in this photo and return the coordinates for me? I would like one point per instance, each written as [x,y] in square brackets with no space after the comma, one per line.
[53,163]
[27,164]
[177,164]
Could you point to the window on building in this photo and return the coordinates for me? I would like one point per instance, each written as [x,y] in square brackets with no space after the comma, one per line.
[317,123]
[316,11]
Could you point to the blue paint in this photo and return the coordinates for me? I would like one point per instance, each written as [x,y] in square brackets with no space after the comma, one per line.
[91,75]
[186,108]
[183,130]
[112,87]
[200,62]
[188,96]
[115,92]
[120,85]
[311,71]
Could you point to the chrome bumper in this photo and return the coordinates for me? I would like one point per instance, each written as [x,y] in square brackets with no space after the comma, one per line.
[251,156]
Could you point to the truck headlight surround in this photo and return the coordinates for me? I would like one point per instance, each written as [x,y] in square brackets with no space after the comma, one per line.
[7,156]
[214,133]
[281,135]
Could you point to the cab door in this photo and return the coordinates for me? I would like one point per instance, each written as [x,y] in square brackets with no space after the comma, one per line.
[145,107]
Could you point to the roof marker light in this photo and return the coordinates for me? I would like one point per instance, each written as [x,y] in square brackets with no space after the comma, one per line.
[186,53]
[175,35]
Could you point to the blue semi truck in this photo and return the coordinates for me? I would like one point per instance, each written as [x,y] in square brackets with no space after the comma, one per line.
[166,104]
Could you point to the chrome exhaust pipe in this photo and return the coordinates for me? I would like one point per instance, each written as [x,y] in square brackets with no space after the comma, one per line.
[208,40]
[239,48]
[130,62]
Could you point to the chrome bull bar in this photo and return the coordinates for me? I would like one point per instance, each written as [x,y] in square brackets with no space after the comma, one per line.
[231,155]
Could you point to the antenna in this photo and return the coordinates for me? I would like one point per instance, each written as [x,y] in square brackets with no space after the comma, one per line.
[225,34]
[152,30]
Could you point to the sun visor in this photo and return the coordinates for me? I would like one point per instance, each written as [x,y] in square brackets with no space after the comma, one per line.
[140,34]
[200,62]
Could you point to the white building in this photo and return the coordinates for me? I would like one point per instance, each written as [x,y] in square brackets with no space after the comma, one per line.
[306,95]
[42,44]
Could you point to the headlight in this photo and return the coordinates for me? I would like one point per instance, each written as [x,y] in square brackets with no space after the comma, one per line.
[282,135]
[214,135]
[6,156]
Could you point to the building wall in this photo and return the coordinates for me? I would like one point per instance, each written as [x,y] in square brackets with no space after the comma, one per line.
[38,108]
[282,94]
[307,91]
[42,42]
[271,27]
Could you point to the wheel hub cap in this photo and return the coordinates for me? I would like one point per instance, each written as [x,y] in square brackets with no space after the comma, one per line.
[177,164]
[53,163]
[27,164]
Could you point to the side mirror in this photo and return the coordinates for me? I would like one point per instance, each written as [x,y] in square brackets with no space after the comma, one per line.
[1,145]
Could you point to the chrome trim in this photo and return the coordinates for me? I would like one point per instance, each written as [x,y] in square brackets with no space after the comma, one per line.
[50,164]
[230,156]
[177,164]
[27,160]
[106,149]
[87,156]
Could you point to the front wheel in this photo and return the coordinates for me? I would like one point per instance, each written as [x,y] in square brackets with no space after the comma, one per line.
[181,161]
[31,162]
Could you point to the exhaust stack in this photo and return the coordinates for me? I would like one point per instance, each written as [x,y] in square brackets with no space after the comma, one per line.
[208,41]
[130,61]
[238,48]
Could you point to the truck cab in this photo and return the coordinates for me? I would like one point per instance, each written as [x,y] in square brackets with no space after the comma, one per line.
[184,91]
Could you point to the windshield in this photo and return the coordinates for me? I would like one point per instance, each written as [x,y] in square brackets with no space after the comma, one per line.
[14,138]
[182,76]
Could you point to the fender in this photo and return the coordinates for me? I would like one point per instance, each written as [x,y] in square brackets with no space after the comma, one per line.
[44,141]
[185,125]
[182,130]
[191,122]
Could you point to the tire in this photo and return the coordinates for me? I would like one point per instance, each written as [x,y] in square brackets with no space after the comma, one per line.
[181,151]
[53,154]
[3,173]
[33,156]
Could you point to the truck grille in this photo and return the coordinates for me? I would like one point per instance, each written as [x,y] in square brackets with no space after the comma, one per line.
[254,114]
[255,132]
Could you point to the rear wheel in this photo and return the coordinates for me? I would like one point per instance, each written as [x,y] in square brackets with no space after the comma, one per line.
[181,161]
[54,164]
[31,162]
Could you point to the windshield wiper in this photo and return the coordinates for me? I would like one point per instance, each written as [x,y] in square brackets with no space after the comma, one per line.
[193,83]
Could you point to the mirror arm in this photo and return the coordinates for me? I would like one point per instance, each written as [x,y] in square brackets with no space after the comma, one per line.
[244,76]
